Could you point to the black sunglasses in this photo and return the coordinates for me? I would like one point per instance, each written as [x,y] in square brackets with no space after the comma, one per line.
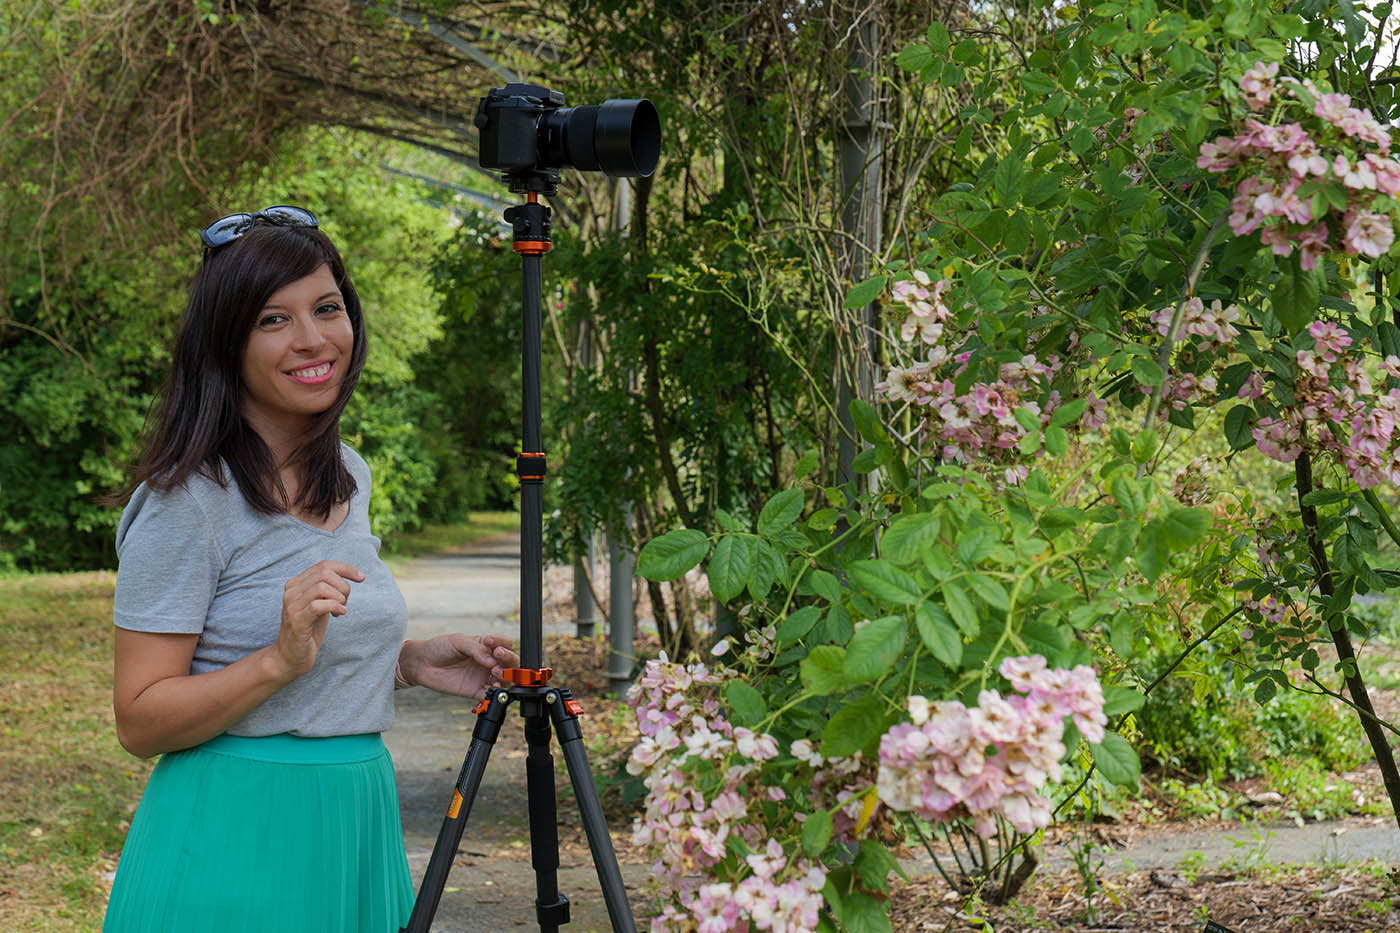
[227,229]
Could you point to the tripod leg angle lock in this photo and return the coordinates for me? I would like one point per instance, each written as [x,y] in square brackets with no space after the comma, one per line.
[547,710]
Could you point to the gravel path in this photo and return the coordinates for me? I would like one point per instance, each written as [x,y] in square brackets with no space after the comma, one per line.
[491,886]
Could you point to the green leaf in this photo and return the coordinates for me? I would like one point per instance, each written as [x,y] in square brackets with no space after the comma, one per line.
[874,648]
[1056,441]
[866,292]
[855,725]
[1185,526]
[1295,296]
[1238,423]
[1145,446]
[990,589]
[1153,550]
[1117,760]
[816,833]
[915,56]
[1389,336]
[861,913]
[1265,691]
[821,669]
[780,512]
[1147,371]
[798,624]
[939,635]
[875,864]
[1120,700]
[825,585]
[961,609]
[938,38]
[806,465]
[867,422]
[1068,413]
[1127,492]
[672,554]
[764,570]
[729,567]
[908,535]
[886,582]
[746,702]
[1038,83]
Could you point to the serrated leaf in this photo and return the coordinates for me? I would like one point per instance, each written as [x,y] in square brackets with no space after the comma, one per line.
[729,567]
[939,635]
[914,56]
[1147,371]
[1117,760]
[1069,412]
[825,585]
[1056,441]
[961,609]
[991,590]
[874,648]
[1120,700]
[1127,492]
[867,422]
[798,624]
[821,669]
[747,703]
[865,292]
[1238,427]
[875,864]
[1185,526]
[908,535]
[861,913]
[853,726]
[763,570]
[780,511]
[816,833]
[672,554]
[1152,550]
[886,582]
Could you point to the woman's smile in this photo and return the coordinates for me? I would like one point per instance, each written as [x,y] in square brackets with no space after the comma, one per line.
[314,374]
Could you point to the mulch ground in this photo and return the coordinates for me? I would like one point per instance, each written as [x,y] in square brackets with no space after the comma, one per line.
[1316,900]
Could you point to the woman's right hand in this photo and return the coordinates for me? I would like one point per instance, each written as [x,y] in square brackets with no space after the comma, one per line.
[308,601]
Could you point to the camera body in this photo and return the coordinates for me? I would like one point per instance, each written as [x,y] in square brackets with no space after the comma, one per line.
[529,135]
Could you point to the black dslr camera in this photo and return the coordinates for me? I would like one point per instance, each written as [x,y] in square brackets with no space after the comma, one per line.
[528,135]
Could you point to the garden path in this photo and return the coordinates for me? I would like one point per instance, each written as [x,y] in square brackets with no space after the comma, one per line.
[491,887]
[476,590]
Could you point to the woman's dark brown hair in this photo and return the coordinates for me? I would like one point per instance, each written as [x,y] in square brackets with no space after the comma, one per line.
[198,423]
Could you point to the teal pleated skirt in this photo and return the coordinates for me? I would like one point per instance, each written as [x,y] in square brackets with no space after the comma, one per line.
[266,834]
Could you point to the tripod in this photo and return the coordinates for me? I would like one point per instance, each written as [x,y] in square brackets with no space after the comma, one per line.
[541,705]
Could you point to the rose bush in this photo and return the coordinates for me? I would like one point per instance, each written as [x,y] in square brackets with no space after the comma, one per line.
[1175,230]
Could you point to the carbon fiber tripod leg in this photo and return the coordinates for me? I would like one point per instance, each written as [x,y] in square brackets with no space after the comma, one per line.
[551,907]
[488,726]
[591,810]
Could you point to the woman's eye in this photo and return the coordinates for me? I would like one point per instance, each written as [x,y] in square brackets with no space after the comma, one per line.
[270,320]
[328,309]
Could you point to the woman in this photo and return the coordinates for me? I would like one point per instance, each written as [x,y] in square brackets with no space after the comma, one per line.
[258,635]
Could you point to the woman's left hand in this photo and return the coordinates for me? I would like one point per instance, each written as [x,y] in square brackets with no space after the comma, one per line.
[458,664]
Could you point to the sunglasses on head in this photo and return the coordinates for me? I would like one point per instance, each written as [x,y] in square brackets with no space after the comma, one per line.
[227,229]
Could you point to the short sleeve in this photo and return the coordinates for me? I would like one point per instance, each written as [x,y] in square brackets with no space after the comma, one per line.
[168,563]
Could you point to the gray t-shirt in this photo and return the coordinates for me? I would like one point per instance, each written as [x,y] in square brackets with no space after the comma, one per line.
[200,560]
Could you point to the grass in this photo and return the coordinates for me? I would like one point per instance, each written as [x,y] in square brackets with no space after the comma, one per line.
[404,546]
[70,788]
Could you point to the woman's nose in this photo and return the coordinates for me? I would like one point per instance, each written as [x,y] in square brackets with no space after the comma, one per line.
[307,334]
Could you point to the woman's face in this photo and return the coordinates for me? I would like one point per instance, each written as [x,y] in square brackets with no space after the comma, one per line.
[296,356]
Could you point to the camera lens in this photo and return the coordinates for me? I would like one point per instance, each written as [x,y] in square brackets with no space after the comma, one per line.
[622,138]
